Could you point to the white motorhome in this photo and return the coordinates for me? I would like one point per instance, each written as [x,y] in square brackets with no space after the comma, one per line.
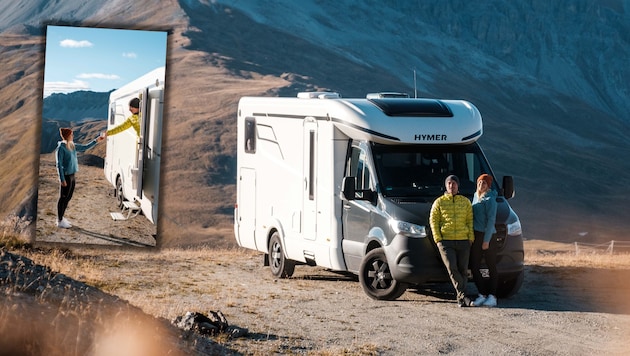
[132,162]
[348,184]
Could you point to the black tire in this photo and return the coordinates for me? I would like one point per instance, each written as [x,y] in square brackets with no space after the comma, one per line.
[119,192]
[376,278]
[281,267]
[509,287]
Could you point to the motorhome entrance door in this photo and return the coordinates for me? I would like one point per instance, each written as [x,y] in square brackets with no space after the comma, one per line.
[144,111]
[309,197]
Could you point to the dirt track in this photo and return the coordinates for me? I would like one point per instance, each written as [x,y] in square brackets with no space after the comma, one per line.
[88,211]
[556,313]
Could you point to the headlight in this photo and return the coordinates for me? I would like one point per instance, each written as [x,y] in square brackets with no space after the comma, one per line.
[514,228]
[408,229]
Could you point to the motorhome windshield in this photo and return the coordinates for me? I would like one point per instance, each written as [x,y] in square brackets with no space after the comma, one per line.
[419,171]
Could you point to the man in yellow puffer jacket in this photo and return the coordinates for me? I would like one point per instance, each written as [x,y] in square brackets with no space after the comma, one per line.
[132,121]
[451,223]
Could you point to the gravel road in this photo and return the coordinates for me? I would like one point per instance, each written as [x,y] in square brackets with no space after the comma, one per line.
[554,314]
[89,211]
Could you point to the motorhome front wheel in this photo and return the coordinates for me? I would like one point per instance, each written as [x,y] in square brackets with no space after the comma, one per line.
[376,278]
[509,286]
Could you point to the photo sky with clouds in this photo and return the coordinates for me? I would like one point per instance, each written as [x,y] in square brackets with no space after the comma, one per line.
[97,59]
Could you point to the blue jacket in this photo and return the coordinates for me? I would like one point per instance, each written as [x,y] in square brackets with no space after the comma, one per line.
[67,162]
[485,214]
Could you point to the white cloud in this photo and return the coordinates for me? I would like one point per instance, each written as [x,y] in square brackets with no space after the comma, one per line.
[75,44]
[98,76]
[131,55]
[64,87]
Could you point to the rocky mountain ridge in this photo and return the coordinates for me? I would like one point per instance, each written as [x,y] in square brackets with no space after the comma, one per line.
[80,110]
[76,106]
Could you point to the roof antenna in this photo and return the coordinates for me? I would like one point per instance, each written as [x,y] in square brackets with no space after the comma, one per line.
[415,92]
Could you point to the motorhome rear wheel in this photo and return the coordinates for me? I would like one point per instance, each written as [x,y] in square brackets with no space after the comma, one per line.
[281,267]
[119,193]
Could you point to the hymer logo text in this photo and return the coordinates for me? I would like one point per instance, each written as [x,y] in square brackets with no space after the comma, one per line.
[433,137]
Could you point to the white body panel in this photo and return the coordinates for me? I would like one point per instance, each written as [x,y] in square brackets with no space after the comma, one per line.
[277,188]
[133,160]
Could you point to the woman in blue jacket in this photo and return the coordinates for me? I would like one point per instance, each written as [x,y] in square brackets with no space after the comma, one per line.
[484,207]
[67,166]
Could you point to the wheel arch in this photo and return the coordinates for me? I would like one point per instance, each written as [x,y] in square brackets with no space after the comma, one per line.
[376,238]
[272,226]
[119,176]
[371,245]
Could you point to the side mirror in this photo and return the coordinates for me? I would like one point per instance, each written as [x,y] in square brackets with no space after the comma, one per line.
[508,187]
[370,196]
[347,188]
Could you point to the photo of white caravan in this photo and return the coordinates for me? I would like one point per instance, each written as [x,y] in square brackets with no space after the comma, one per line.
[132,161]
[348,184]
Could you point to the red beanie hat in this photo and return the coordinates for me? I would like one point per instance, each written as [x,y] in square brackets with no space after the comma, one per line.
[487,178]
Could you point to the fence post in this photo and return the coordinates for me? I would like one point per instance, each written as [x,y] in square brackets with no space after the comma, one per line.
[612,246]
[577,249]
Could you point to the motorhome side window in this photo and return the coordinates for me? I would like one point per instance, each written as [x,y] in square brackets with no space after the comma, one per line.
[112,114]
[250,135]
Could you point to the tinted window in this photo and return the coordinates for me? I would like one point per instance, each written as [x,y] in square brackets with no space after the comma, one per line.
[250,135]
[416,170]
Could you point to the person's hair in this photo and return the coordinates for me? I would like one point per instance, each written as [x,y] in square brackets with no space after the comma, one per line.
[134,103]
[65,133]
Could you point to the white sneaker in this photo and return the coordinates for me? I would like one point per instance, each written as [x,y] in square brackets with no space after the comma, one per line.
[491,301]
[66,221]
[479,301]
[63,224]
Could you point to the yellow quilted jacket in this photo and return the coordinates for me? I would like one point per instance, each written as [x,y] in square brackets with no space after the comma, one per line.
[451,218]
[132,121]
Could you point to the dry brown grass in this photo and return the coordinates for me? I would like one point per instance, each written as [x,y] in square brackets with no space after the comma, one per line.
[555,254]
[15,231]
[88,264]
[168,283]
[21,58]
[45,313]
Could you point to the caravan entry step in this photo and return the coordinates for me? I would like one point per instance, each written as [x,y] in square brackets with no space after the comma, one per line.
[130,208]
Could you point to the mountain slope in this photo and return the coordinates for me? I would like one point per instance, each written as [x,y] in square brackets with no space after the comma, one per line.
[577,48]
[76,106]
[550,79]
[560,147]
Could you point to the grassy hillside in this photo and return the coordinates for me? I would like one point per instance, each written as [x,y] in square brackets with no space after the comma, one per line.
[20,92]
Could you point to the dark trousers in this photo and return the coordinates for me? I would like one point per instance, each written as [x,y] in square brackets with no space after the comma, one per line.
[455,255]
[65,194]
[485,286]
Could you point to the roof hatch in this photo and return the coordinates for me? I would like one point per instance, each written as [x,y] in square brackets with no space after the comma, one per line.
[412,107]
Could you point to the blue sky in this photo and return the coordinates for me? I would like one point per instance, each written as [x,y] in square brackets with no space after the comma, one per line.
[97,59]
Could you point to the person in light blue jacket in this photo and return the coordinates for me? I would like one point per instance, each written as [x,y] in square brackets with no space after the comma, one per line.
[67,166]
[484,207]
